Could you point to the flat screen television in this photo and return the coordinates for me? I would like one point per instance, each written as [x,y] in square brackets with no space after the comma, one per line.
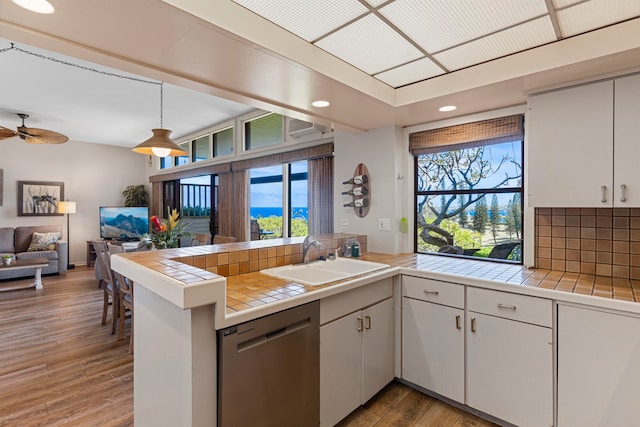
[123,223]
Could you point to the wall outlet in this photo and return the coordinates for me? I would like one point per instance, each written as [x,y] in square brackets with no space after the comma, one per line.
[344,221]
[384,224]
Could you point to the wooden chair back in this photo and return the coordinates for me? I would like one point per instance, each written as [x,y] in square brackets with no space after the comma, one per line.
[200,239]
[218,239]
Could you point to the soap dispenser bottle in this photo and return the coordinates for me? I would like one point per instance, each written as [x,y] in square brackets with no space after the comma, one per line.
[355,249]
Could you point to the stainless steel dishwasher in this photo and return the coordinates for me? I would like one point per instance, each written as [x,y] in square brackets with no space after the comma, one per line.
[269,370]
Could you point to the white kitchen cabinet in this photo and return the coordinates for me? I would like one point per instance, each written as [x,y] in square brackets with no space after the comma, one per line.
[569,147]
[510,362]
[598,368]
[626,146]
[433,336]
[356,360]
[582,145]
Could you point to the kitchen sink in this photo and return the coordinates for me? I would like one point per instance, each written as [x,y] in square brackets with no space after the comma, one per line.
[322,272]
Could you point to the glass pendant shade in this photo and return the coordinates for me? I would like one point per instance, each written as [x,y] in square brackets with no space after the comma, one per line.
[160,145]
[38,6]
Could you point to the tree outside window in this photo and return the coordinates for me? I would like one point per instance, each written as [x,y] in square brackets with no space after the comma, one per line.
[469,201]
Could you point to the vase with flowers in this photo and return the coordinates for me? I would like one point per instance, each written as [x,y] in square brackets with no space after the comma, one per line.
[167,233]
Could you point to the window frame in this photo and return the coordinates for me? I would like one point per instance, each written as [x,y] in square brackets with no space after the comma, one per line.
[488,191]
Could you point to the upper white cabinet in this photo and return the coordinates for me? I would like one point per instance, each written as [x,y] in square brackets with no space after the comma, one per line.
[598,368]
[581,148]
[569,143]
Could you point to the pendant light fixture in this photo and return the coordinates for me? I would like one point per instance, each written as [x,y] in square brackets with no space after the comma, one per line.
[160,144]
[37,6]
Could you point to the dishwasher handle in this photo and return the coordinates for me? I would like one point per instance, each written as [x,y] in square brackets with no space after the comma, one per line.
[273,335]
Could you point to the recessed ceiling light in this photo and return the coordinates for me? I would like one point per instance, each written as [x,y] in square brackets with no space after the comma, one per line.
[38,6]
[320,104]
[447,108]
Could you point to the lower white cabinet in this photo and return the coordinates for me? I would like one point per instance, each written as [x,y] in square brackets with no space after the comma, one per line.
[433,336]
[598,368]
[356,360]
[510,370]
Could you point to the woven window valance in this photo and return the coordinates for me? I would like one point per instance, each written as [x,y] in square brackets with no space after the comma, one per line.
[475,134]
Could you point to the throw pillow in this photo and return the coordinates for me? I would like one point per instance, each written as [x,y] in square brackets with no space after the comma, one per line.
[43,241]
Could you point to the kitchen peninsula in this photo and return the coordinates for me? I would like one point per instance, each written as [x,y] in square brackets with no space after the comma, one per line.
[179,305]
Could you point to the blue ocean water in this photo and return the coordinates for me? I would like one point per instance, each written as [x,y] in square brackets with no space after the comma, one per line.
[277,211]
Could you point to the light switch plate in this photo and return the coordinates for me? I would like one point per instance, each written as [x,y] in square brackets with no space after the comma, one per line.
[384,224]
[344,221]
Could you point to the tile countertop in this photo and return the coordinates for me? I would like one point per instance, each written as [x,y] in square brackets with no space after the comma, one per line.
[252,294]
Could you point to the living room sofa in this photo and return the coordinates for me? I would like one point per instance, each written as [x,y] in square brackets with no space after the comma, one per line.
[16,241]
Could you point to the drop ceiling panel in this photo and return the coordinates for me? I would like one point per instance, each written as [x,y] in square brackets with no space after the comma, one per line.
[308,19]
[376,3]
[370,45]
[559,4]
[436,25]
[410,73]
[525,36]
[595,14]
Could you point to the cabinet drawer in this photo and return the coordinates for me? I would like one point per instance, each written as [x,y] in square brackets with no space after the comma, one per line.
[537,311]
[445,293]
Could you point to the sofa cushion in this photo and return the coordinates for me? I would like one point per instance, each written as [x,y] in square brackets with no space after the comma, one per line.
[23,235]
[6,240]
[51,255]
[43,241]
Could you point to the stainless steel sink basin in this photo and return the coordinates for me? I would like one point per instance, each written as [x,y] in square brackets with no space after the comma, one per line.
[322,272]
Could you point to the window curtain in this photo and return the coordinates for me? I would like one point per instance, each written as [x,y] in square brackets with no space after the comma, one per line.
[320,195]
[225,204]
[468,135]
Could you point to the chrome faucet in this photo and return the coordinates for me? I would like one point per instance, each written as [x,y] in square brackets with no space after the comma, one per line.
[306,246]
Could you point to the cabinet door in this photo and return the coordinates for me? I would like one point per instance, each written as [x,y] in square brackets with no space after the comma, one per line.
[377,348]
[509,370]
[626,145]
[598,368]
[340,368]
[569,140]
[433,347]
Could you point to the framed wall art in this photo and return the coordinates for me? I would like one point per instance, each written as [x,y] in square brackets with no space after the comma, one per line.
[39,198]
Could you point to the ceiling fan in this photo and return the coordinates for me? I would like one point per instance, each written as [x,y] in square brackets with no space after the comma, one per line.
[33,135]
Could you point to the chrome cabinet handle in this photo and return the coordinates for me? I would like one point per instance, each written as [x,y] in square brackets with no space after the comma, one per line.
[430,292]
[623,193]
[457,321]
[604,194]
[360,324]
[473,324]
[368,318]
[507,306]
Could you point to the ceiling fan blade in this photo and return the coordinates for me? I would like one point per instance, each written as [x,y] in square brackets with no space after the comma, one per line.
[43,136]
[7,133]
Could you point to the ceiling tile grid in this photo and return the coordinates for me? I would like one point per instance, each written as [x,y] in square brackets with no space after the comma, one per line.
[410,73]
[308,19]
[437,25]
[515,39]
[594,14]
[370,45]
[401,42]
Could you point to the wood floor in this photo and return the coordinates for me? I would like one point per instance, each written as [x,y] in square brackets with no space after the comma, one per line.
[398,405]
[58,364]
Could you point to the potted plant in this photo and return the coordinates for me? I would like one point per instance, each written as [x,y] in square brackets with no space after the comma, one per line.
[6,259]
[136,195]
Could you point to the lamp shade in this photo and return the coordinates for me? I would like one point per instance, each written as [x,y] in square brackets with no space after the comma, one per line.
[160,140]
[38,6]
[67,207]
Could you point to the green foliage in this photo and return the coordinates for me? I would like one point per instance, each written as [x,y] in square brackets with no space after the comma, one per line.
[196,211]
[514,216]
[494,218]
[299,226]
[462,216]
[136,195]
[484,252]
[464,238]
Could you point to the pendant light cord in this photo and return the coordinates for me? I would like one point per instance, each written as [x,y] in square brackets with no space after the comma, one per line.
[84,67]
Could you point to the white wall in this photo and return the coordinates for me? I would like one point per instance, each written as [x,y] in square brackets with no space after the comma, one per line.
[94,175]
[382,151]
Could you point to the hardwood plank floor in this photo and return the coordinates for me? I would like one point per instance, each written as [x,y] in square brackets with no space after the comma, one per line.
[58,364]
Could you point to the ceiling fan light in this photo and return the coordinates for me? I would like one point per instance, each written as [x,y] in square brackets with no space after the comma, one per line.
[38,6]
[159,140]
